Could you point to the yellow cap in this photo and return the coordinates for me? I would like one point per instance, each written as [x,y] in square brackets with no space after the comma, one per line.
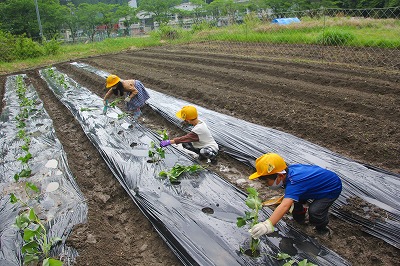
[111,81]
[268,164]
[187,113]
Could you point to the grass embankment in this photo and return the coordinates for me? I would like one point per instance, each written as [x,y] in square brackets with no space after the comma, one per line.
[75,51]
[359,32]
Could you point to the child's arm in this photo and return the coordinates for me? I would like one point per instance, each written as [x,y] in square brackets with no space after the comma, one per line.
[190,137]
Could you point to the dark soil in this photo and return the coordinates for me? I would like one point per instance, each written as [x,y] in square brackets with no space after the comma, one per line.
[350,110]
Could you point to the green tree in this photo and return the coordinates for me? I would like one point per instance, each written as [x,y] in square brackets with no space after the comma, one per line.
[19,17]
[71,19]
[128,16]
[51,17]
[89,18]
[108,16]
[160,10]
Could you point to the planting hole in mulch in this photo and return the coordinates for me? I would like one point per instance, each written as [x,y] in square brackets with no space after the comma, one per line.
[207,210]
[249,253]
[133,144]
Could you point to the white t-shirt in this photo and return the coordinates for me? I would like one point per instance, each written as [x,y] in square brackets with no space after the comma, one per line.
[205,137]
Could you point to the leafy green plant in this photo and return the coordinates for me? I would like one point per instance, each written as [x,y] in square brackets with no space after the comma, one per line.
[114,103]
[163,134]
[251,217]
[156,153]
[284,256]
[36,246]
[122,115]
[175,172]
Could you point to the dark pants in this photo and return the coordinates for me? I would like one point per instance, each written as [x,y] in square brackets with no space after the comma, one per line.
[318,212]
[206,152]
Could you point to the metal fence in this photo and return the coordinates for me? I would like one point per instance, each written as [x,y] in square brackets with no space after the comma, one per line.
[364,37]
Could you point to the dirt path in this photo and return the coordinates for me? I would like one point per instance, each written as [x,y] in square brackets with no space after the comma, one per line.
[354,112]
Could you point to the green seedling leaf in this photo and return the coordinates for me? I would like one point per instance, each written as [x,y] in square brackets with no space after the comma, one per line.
[240,222]
[32,215]
[120,116]
[21,134]
[306,263]
[115,102]
[52,262]
[163,134]
[26,158]
[13,198]
[175,172]
[25,173]
[30,247]
[30,234]
[22,221]
[282,256]
[289,263]
[163,174]
[252,191]
[253,203]
[25,147]
[21,125]
[161,152]
[28,258]
[32,187]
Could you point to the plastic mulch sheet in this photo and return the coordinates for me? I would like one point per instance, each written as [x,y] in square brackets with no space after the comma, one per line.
[196,216]
[375,186]
[60,203]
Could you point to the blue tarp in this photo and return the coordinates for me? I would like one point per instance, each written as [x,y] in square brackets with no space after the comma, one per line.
[285,21]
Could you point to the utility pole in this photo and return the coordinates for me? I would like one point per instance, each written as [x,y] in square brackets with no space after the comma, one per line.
[38,19]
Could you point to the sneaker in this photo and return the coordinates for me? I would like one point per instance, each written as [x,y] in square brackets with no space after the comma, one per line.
[324,232]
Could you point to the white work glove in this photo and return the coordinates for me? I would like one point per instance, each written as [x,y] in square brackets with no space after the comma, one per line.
[127,99]
[262,228]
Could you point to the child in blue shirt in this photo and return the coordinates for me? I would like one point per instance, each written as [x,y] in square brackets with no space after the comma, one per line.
[302,183]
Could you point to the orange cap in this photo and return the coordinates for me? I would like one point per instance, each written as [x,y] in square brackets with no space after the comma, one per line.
[268,164]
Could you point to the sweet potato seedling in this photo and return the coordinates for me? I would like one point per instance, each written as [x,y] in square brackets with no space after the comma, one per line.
[36,246]
[156,153]
[163,134]
[175,172]
[283,256]
[251,217]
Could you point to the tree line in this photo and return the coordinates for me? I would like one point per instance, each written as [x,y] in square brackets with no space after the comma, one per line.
[19,17]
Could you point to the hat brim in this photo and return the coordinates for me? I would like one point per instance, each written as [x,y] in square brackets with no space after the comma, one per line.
[254,176]
[179,114]
[111,85]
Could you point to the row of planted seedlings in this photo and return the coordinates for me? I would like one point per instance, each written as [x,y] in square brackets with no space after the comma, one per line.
[36,241]
[156,156]
[250,217]
[155,153]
